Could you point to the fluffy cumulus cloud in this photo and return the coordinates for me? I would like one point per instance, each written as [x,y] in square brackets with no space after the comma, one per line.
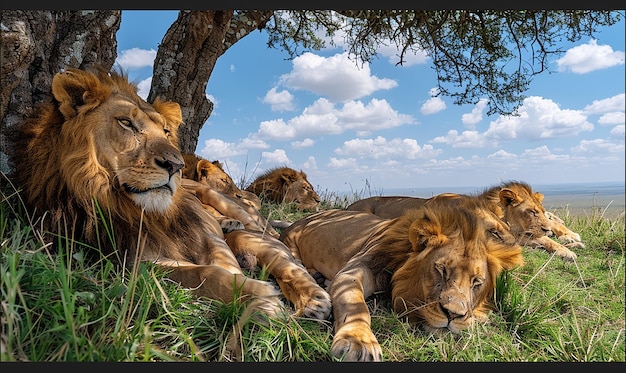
[434,104]
[306,143]
[279,100]
[466,139]
[476,115]
[612,118]
[342,163]
[589,57]
[275,157]
[136,58]
[218,149]
[539,118]
[337,77]
[323,118]
[614,103]
[381,148]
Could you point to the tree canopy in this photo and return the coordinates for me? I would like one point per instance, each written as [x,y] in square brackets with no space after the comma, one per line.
[476,54]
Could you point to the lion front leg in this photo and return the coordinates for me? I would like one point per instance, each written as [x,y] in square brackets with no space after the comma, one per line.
[552,246]
[354,339]
[298,286]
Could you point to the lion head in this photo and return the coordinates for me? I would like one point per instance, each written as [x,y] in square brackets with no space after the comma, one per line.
[284,184]
[517,204]
[212,174]
[98,146]
[449,278]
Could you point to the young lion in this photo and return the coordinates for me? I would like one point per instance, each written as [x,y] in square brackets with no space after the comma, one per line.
[513,201]
[99,156]
[438,264]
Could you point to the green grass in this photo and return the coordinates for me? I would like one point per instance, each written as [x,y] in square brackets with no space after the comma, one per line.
[68,306]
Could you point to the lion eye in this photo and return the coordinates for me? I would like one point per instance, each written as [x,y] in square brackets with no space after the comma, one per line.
[495,233]
[477,283]
[441,269]
[126,123]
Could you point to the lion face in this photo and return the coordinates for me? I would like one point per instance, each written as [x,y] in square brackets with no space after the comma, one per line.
[446,285]
[136,146]
[524,212]
[302,193]
[284,184]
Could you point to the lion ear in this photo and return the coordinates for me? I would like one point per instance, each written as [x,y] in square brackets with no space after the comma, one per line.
[75,88]
[539,197]
[170,111]
[424,233]
[509,197]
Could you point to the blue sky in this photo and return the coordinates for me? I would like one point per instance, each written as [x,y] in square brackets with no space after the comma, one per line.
[348,126]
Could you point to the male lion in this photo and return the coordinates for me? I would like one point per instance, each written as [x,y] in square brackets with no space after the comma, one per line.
[438,264]
[100,156]
[513,201]
[284,184]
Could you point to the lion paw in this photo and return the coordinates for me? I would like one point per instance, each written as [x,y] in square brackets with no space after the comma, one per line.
[566,254]
[318,306]
[356,345]
[229,225]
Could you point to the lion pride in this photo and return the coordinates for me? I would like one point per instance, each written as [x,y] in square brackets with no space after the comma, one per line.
[438,264]
[98,155]
[518,206]
[284,184]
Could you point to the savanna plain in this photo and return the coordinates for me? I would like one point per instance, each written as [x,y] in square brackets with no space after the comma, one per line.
[76,306]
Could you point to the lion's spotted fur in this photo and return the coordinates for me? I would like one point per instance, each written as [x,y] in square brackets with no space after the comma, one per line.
[98,158]
[445,255]
[284,184]
[514,202]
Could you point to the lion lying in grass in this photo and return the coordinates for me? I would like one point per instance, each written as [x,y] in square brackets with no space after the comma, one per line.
[438,264]
[521,208]
[102,166]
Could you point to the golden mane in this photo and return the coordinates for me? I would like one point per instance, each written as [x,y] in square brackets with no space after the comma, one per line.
[284,184]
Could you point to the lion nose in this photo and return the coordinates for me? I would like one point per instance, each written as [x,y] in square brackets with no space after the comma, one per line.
[453,307]
[171,163]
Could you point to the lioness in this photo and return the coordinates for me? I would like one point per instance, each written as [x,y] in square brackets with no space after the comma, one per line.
[99,156]
[284,184]
[438,264]
[519,207]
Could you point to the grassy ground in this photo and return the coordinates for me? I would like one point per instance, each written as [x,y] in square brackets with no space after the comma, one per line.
[65,307]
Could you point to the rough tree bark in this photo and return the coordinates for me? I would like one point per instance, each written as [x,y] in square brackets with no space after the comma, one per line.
[186,58]
[35,45]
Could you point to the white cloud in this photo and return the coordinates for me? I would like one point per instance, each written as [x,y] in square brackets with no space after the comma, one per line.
[612,118]
[136,58]
[277,156]
[589,57]
[501,155]
[337,77]
[618,132]
[476,115]
[539,118]
[143,88]
[598,146]
[343,163]
[432,106]
[615,103]
[306,143]
[381,148]
[322,117]
[467,139]
[390,51]
[279,101]
[216,149]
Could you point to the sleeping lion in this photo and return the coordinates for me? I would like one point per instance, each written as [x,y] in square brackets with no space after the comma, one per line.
[437,263]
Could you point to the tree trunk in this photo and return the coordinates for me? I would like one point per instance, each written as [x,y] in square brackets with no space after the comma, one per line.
[35,45]
[187,56]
